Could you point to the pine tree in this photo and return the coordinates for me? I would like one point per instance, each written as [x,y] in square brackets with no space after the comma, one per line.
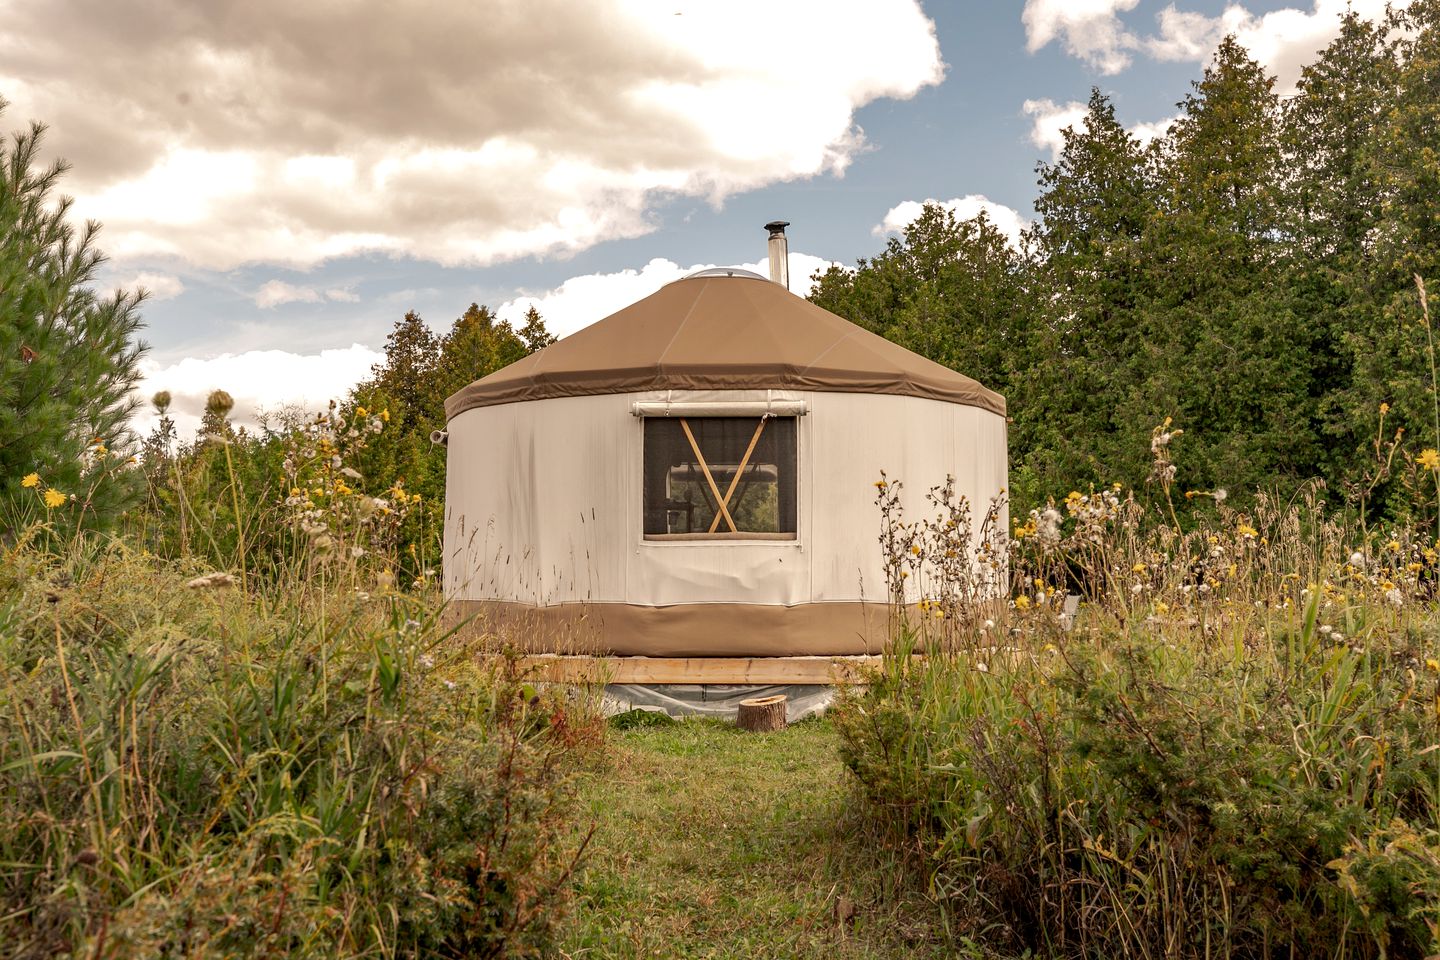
[68,358]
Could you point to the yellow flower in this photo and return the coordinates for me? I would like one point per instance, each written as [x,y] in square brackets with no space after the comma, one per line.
[915,549]
[1245,530]
[1161,608]
[1393,546]
[53,498]
[361,412]
[1429,459]
[31,480]
[1384,409]
[385,414]
[1021,602]
[1138,568]
[1433,665]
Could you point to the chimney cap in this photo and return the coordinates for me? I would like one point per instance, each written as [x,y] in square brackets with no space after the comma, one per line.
[777,226]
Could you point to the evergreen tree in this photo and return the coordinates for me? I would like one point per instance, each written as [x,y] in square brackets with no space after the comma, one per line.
[411,352]
[1336,190]
[1096,202]
[533,333]
[478,344]
[951,290]
[68,358]
[1230,360]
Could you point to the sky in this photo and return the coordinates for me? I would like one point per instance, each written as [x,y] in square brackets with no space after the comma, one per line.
[288,179]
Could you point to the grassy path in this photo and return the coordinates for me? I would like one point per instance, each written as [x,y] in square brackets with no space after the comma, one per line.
[715,843]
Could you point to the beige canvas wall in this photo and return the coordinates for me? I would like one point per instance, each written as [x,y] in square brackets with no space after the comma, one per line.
[543,501]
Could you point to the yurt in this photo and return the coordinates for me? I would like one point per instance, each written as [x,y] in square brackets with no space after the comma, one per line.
[694,477]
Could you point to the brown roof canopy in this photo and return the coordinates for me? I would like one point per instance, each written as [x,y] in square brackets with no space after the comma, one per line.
[722,333]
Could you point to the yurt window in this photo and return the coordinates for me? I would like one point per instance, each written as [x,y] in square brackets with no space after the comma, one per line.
[720,478]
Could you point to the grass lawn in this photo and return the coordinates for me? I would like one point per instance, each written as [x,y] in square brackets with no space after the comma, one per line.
[711,842]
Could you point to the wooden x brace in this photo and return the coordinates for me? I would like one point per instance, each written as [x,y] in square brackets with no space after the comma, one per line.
[723,502]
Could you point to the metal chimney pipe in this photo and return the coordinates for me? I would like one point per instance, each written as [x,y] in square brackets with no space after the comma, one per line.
[779,252]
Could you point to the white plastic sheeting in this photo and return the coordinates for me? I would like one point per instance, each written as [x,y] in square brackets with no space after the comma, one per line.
[713,699]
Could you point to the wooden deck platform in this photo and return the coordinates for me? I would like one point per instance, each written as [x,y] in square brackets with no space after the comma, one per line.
[758,670]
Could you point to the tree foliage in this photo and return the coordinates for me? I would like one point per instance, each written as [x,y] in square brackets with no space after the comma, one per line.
[1251,274]
[68,356]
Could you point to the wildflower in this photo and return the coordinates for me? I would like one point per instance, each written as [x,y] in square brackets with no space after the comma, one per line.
[1220,495]
[1432,665]
[1021,602]
[915,549]
[1161,607]
[1247,531]
[53,498]
[385,414]
[990,625]
[361,412]
[1357,560]
[1393,546]
[1138,568]
[1395,597]
[879,484]
[30,480]
[1429,459]
[981,667]
[352,473]
[1384,409]
[449,684]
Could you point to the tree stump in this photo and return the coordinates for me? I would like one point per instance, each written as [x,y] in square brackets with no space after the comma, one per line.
[762,714]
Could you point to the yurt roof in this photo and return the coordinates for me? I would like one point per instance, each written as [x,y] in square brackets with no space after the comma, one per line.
[722,330]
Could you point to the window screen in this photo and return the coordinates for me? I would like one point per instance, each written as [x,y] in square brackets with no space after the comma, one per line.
[694,465]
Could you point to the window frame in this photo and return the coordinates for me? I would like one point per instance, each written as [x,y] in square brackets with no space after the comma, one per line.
[738,410]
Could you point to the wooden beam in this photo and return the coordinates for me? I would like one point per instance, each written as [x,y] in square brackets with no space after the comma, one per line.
[705,469]
[730,491]
[758,670]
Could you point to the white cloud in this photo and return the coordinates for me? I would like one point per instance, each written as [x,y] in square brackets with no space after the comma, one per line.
[580,301]
[1088,29]
[1152,130]
[1283,40]
[259,380]
[1050,121]
[160,286]
[276,292]
[463,133]
[1006,219]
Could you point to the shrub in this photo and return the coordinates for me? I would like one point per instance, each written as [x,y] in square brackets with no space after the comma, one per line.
[187,769]
[1231,752]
